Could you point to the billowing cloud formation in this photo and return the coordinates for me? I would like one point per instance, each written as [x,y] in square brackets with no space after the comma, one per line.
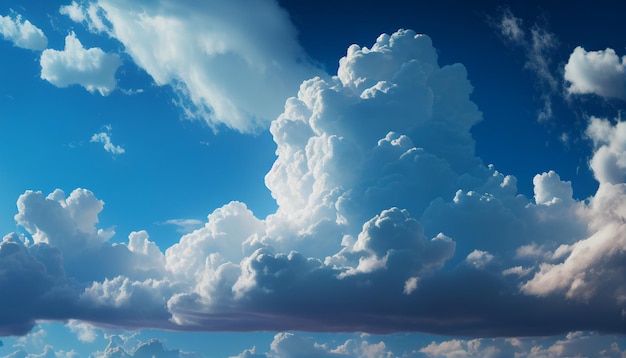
[91,68]
[232,63]
[599,72]
[387,222]
[22,33]
[574,344]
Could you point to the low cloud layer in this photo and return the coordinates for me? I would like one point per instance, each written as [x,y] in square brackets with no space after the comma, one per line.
[386,222]
[538,46]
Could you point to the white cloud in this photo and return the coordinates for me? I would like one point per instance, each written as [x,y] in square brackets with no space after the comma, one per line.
[596,72]
[84,331]
[91,68]
[231,63]
[22,33]
[104,137]
[153,348]
[549,189]
[185,226]
[383,207]
[588,269]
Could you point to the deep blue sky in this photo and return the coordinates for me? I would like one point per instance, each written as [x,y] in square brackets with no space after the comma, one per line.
[354,229]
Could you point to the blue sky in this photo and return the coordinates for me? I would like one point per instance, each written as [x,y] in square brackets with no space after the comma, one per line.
[319,179]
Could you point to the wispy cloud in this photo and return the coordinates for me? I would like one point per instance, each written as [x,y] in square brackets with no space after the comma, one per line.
[104,137]
[601,73]
[231,63]
[538,46]
[184,225]
[91,68]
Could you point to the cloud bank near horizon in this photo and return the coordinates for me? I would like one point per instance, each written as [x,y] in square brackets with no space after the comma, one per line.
[380,195]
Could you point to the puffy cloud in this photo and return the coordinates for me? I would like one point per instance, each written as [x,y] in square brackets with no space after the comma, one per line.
[232,63]
[104,137]
[549,189]
[596,72]
[387,222]
[185,226]
[91,68]
[152,348]
[34,285]
[84,331]
[22,33]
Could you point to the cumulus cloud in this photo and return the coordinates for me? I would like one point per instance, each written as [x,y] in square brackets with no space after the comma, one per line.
[386,222]
[231,63]
[104,137]
[287,345]
[589,268]
[596,72]
[574,344]
[84,331]
[22,33]
[91,68]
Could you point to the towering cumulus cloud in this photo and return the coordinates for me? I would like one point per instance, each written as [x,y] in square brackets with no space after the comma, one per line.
[386,221]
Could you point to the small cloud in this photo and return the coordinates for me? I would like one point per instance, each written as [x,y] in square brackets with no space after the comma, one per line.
[84,331]
[511,27]
[22,33]
[184,225]
[104,137]
[91,16]
[91,68]
[596,72]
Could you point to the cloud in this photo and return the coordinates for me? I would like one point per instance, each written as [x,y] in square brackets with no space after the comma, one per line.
[105,138]
[84,331]
[288,344]
[574,344]
[91,15]
[386,222]
[91,68]
[151,348]
[184,225]
[589,268]
[22,33]
[231,63]
[596,72]
[538,45]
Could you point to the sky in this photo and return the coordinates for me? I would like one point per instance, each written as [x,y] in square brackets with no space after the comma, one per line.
[260,178]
